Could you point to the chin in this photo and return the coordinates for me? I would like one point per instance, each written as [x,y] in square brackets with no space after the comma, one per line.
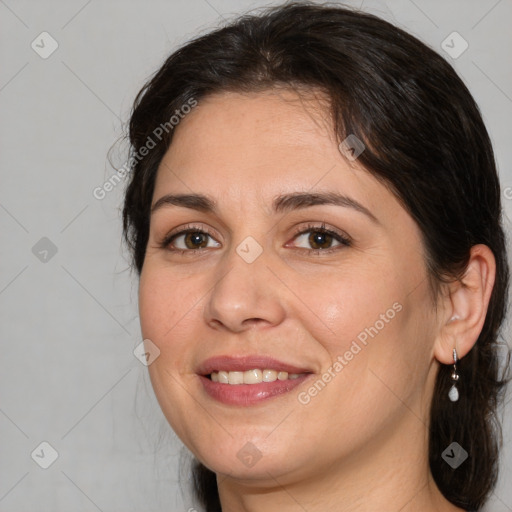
[253,459]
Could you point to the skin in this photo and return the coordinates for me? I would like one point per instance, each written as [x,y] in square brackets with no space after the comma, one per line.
[360,444]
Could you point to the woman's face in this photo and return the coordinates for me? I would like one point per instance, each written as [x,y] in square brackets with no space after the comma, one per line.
[257,285]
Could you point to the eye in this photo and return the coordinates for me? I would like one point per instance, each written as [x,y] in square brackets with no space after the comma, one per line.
[189,239]
[321,239]
[192,239]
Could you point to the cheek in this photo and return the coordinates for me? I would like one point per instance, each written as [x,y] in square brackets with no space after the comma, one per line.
[166,310]
[352,306]
[373,369]
[165,300]
[168,317]
[372,329]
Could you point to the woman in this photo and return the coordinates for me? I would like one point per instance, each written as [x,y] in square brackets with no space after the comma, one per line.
[314,213]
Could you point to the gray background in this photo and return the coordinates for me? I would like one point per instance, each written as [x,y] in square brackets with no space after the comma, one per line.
[69,324]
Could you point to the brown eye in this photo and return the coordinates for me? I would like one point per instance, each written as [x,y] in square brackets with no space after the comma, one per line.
[195,240]
[320,240]
[189,240]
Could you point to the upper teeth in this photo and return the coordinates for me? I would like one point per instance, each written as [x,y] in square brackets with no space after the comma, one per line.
[251,376]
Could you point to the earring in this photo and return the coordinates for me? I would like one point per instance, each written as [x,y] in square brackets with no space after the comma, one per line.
[453,394]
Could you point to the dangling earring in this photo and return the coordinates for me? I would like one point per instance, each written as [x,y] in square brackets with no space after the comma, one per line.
[453,394]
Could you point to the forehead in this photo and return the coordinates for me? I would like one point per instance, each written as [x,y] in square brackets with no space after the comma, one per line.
[242,146]
[229,126]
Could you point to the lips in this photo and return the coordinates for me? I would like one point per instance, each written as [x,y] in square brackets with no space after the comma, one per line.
[242,394]
[245,363]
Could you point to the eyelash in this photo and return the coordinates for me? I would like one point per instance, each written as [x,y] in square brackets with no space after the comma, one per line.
[343,239]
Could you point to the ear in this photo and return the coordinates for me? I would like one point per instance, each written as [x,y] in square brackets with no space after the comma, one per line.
[465,306]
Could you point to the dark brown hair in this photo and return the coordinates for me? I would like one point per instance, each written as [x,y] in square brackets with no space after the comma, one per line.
[425,140]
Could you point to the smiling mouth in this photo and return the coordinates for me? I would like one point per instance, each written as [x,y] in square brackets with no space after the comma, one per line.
[255,376]
[249,380]
[244,394]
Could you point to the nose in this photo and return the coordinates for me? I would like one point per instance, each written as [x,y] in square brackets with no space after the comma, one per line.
[245,296]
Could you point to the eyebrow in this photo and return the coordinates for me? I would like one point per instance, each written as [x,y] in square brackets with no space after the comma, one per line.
[281,204]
